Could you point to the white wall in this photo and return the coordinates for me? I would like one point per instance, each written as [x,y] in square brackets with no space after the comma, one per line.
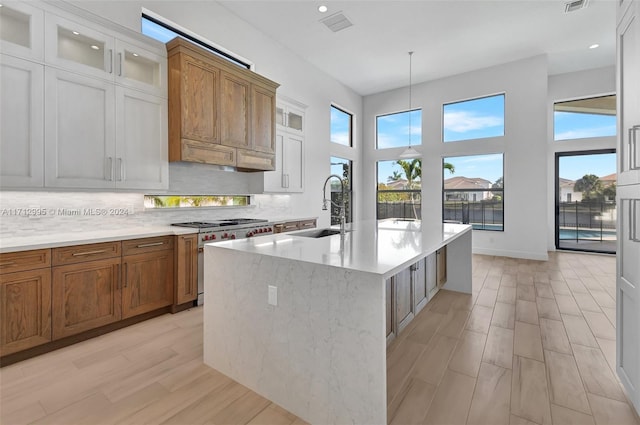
[573,85]
[298,80]
[524,146]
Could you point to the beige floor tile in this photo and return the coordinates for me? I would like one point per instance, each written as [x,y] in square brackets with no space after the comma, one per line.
[499,347]
[527,311]
[600,325]
[526,293]
[468,353]
[504,315]
[452,399]
[544,290]
[563,416]
[567,305]
[560,287]
[507,295]
[273,415]
[608,412]
[586,302]
[399,364]
[487,297]
[24,415]
[529,393]
[603,299]
[541,277]
[508,280]
[554,336]
[241,410]
[517,420]
[576,285]
[596,375]
[433,361]
[568,273]
[426,324]
[463,301]
[608,348]
[415,404]
[611,315]
[528,341]
[548,309]
[453,323]
[565,384]
[492,396]
[480,319]
[578,331]
[591,283]
[492,281]
[524,278]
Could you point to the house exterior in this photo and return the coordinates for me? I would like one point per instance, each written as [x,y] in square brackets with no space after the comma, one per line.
[566,192]
[462,188]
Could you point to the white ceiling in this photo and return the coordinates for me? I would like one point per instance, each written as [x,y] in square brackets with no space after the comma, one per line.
[448,37]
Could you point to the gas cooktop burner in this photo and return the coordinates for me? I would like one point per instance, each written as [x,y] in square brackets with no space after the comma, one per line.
[220,223]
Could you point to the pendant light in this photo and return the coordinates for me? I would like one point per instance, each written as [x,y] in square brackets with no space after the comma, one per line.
[409,152]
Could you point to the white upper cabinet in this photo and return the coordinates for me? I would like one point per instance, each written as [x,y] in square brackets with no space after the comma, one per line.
[288,176]
[21,122]
[629,96]
[139,68]
[21,30]
[80,131]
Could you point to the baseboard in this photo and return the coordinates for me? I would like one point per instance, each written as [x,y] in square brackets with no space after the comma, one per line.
[525,255]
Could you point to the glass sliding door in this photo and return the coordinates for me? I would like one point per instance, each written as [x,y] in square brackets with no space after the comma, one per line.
[586,201]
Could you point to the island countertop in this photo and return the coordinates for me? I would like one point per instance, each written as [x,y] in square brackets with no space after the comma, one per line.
[381,247]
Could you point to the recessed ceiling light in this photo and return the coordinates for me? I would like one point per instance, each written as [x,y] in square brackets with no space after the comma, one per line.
[322,8]
[75,32]
[94,47]
[594,46]
[135,54]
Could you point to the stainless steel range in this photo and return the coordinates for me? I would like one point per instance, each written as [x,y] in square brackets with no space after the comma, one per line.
[224,230]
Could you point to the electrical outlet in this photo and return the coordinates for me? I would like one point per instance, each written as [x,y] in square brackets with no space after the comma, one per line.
[272,297]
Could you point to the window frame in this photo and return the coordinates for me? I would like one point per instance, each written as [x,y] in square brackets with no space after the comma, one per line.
[418,141]
[351,119]
[594,96]
[504,116]
[474,191]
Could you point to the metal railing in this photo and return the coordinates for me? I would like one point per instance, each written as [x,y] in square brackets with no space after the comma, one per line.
[591,221]
[405,204]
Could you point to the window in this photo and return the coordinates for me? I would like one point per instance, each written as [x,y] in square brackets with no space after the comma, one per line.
[196,201]
[341,167]
[584,118]
[393,130]
[161,31]
[341,125]
[473,119]
[473,191]
[399,189]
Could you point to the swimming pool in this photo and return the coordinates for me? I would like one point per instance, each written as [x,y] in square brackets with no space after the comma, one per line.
[587,234]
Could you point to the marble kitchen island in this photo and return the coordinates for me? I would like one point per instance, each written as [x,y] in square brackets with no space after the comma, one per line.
[320,351]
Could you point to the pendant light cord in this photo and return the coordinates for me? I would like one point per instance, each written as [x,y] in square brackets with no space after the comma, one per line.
[410,67]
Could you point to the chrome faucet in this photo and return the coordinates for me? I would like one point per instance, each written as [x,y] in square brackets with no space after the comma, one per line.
[342,202]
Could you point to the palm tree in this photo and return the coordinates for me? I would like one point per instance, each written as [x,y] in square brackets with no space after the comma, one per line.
[395,176]
[413,171]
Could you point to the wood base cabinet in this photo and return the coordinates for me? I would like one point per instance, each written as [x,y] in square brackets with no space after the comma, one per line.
[147,282]
[186,266]
[85,296]
[25,312]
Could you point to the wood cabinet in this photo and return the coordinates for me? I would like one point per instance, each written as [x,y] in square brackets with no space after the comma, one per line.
[147,275]
[390,317]
[290,226]
[186,268]
[86,288]
[628,200]
[21,122]
[404,305]
[25,300]
[220,113]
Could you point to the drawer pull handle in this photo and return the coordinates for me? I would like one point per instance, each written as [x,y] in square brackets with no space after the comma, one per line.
[80,254]
[146,245]
[7,263]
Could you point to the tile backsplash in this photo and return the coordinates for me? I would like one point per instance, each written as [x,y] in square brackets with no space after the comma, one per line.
[30,213]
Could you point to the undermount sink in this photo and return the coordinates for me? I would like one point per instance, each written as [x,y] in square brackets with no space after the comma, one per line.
[319,233]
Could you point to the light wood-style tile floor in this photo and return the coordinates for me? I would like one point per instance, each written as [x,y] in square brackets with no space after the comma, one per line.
[534,344]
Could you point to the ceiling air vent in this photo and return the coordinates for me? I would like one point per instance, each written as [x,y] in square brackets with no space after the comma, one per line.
[572,6]
[337,22]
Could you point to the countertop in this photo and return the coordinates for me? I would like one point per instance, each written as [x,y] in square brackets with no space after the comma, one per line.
[55,240]
[381,247]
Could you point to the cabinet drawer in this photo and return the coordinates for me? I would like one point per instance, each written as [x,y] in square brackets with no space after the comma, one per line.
[252,160]
[82,253]
[207,153]
[140,246]
[307,224]
[285,227]
[25,260]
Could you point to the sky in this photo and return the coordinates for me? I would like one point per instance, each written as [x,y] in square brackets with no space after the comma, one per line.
[574,167]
